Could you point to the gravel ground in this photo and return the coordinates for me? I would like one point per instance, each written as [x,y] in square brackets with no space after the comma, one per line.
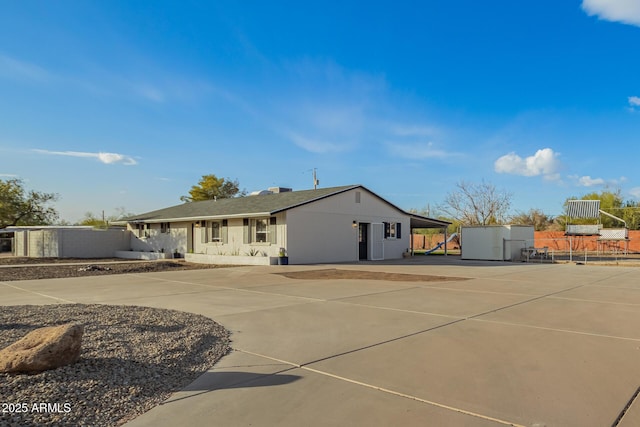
[132,359]
[26,270]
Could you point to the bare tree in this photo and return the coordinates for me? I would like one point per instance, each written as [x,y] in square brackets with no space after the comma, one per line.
[535,217]
[477,204]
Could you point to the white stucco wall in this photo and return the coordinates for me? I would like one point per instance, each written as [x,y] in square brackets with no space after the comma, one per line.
[174,238]
[92,243]
[235,238]
[71,243]
[323,231]
[495,242]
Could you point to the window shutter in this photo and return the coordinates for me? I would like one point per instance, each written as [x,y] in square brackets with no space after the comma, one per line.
[224,233]
[203,232]
[246,238]
[272,230]
[398,229]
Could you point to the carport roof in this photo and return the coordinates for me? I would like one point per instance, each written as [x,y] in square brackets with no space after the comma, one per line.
[419,221]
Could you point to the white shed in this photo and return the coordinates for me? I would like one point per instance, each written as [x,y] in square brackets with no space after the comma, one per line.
[495,242]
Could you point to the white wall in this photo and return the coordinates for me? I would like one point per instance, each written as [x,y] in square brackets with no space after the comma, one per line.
[495,242]
[91,243]
[323,231]
[175,238]
[235,238]
[71,243]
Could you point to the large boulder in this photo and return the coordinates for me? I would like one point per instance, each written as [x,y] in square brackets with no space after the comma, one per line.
[43,349]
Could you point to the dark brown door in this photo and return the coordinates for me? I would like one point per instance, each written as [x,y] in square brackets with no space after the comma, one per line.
[363,241]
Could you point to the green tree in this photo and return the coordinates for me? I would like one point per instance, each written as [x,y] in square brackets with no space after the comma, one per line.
[20,207]
[631,214]
[211,187]
[477,204]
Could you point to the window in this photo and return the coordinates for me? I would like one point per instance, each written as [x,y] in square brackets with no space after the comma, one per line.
[262,230]
[215,231]
[143,230]
[392,230]
[259,230]
[165,227]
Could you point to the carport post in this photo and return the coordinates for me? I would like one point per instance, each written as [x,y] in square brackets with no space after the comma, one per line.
[445,241]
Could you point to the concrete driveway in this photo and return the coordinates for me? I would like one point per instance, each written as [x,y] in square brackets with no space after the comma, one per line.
[515,344]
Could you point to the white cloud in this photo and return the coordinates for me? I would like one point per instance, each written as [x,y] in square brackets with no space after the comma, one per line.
[625,11]
[106,158]
[544,162]
[8,175]
[587,181]
[634,101]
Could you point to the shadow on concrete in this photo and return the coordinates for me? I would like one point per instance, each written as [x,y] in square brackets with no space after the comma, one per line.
[212,381]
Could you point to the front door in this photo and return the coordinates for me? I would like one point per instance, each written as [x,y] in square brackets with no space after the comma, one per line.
[363,241]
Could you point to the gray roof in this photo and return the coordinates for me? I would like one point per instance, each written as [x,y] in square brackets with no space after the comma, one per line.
[268,204]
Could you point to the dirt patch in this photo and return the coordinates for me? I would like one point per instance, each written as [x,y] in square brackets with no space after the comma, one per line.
[333,274]
[62,268]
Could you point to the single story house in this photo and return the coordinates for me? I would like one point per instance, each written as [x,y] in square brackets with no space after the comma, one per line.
[338,224]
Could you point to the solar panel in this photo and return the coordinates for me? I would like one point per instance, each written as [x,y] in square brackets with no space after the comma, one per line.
[583,209]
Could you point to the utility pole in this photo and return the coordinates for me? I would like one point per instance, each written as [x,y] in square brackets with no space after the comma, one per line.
[315,180]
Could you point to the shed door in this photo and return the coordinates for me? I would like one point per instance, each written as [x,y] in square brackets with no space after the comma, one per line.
[377,241]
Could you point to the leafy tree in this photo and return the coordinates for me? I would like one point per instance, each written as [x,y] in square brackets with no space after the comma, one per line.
[19,207]
[631,214]
[211,187]
[535,217]
[477,204]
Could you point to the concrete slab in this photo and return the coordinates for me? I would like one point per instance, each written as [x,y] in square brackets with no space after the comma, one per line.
[214,303]
[609,294]
[450,302]
[305,333]
[245,390]
[332,289]
[526,376]
[632,417]
[570,359]
[10,294]
[103,289]
[599,318]
[505,285]
[233,277]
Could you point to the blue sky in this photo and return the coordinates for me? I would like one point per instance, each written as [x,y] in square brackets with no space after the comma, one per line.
[116,104]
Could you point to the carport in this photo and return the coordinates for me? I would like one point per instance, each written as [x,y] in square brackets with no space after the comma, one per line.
[422,222]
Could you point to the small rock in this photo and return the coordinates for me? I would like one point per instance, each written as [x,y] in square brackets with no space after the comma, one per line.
[43,349]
